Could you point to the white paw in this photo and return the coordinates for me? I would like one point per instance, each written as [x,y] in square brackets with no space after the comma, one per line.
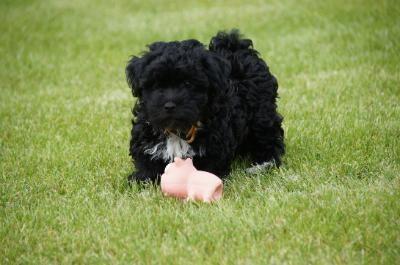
[259,167]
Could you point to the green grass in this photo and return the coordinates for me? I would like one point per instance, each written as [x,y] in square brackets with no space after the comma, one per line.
[65,113]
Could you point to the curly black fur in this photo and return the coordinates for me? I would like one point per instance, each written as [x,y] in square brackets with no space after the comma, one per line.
[228,90]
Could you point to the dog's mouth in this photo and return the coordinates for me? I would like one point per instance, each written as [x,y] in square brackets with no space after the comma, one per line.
[174,122]
[184,124]
[175,125]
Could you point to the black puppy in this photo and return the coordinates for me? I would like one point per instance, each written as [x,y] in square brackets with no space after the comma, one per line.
[210,105]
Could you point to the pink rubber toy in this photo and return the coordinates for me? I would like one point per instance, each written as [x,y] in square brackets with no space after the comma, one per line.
[182,180]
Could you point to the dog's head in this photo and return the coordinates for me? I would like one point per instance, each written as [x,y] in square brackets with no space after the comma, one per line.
[175,83]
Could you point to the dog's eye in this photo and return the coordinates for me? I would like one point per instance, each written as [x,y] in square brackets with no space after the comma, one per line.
[189,85]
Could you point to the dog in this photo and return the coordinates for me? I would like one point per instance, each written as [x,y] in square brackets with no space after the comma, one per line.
[211,105]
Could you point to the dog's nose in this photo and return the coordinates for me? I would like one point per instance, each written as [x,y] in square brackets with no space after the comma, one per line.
[169,106]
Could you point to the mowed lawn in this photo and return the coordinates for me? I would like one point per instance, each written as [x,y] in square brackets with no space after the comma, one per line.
[65,112]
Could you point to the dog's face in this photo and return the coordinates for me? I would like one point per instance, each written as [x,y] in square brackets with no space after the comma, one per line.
[174,106]
[175,83]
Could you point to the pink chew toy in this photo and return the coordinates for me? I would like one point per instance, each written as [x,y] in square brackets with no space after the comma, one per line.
[182,180]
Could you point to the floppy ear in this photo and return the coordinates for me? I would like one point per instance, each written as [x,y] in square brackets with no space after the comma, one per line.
[134,70]
[136,74]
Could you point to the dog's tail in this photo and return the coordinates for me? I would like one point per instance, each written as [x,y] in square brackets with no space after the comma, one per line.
[237,50]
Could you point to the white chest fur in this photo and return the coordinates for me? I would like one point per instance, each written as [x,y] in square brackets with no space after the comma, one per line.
[172,147]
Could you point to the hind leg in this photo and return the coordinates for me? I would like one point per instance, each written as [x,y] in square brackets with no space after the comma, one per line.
[266,144]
